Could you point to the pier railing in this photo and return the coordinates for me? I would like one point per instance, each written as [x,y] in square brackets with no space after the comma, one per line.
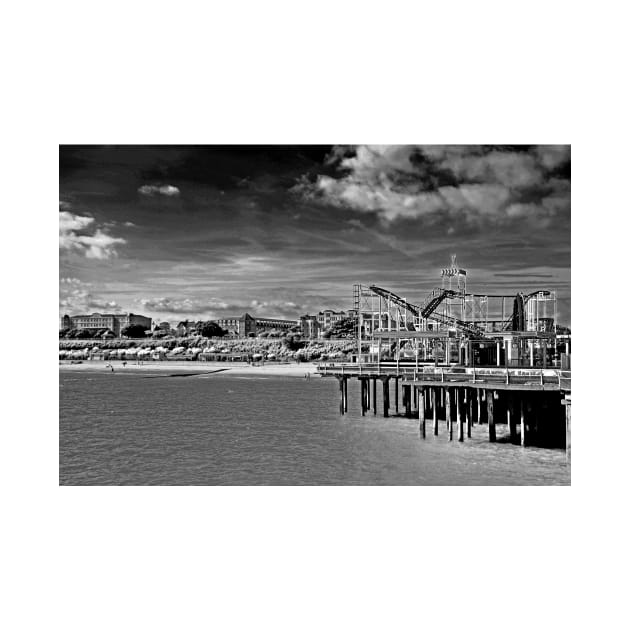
[560,379]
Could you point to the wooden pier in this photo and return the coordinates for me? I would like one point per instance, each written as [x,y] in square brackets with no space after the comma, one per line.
[534,404]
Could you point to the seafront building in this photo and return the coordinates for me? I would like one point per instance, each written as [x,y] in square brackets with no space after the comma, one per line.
[328,317]
[98,321]
[247,324]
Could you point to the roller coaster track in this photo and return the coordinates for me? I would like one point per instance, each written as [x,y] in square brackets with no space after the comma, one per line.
[396,299]
[427,311]
[435,299]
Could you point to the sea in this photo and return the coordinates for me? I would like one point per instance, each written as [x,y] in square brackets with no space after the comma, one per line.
[222,429]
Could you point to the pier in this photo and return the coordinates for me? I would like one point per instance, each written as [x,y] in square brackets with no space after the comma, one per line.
[462,359]
[534,404]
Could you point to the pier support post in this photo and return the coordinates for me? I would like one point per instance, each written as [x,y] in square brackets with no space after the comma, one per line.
[407,400]
[460,411]
[511,417]
[479,393]
[345,394]
[468,411]
[421,421]
[385,397]
[396,393]
[362,382]
[374,395]
[435,410]
[492,433]
[567,410]
[523,408]
[341,406]
[474,406]
[448,394]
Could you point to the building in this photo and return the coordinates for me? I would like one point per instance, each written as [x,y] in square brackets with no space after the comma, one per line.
[309,327]
[246,325]
[327,318]
[264,324]
[237,326]
[115,322]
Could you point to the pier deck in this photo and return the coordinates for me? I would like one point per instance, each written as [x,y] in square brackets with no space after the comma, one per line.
[539,379]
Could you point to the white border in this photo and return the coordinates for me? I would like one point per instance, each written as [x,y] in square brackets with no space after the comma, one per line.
[312,557]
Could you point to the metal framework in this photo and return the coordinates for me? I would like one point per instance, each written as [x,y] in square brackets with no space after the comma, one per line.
[449,319]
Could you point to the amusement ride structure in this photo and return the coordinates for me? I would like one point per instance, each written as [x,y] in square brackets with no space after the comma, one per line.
[452,325]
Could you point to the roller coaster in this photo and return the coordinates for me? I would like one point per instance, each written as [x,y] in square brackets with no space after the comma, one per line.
[429,309]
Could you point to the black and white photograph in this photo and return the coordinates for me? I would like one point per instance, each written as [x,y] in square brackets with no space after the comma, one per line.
[323,277]
[315,315]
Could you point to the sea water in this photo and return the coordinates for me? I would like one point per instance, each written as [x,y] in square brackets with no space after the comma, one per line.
[139,429]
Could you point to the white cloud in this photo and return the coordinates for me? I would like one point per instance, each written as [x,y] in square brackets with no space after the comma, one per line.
[476,184]
[153,189]
[185,305]
[99,245]
[75,301]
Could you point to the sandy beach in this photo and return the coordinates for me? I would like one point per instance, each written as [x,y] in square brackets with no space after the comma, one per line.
[193,367]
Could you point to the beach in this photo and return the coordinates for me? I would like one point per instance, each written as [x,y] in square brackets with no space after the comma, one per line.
[193,367]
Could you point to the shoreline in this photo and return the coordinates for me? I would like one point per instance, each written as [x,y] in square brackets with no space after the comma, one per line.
[193,368]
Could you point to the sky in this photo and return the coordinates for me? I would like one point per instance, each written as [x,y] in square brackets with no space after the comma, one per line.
[204,232]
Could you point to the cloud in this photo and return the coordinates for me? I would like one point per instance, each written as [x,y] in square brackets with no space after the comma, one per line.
[438,184]
[185,305]
[98,245]
[154,189]
[215,307]
[79,300]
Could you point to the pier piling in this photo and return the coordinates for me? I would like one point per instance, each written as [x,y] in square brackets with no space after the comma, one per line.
[492,433]
[448,410]
[460,411]
[385,397]
[435,409]
[511,417]
[374,395]
[407,400]
[468,411]
[362,388]
[567,410]
[341,406]
[421,420]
